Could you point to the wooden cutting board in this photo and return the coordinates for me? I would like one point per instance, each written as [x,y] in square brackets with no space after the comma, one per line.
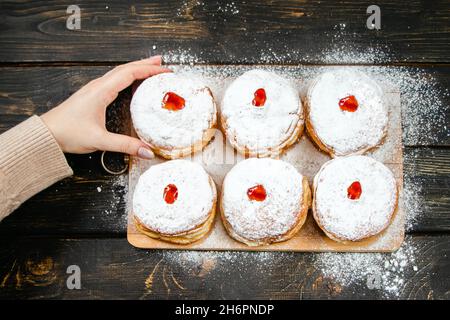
[219,157]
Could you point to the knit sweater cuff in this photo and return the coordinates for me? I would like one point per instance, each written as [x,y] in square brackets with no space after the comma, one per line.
[30,161]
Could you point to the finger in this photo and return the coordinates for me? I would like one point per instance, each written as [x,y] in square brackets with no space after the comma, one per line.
[156,60]
[125,144]
[121,78]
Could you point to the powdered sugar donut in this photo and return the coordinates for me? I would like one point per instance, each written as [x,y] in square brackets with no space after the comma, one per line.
[174,114]
[175,201]
[261,114]
[355,197]
[345,112]
[264,201]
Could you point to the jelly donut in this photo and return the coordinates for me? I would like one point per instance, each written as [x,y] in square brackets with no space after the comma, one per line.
[261,114]
[355,197]
[264,201]
[174,114]
[345,112]
[175,201]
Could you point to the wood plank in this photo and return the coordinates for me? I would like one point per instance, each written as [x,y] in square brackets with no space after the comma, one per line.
[92,202]
[427,183]
[111,268]
[26,91]
[222,32]
[74,207]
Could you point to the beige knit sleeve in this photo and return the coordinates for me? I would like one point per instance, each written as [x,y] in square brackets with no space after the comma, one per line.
[30,161]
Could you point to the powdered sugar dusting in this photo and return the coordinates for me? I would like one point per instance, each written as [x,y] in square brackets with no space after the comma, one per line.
[266,128]
[172,129]
[205,262]
[191,208]
[116,208]
[386,273]
[181,57]
[424,110]
[423,100]
[275,215]
[354,219]
[347,132]
[378,271]
[342,51]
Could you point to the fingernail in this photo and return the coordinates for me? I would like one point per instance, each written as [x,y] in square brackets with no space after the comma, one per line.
[145,153]
[158,57]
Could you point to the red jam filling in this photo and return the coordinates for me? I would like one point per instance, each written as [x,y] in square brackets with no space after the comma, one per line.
[349,104]
[172,102]
[170,193]
[260,98]
[354,191]
[257,193]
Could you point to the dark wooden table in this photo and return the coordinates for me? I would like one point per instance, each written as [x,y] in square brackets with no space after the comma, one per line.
[72,223]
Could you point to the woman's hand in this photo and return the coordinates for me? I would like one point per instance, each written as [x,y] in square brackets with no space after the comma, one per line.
[78,124]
